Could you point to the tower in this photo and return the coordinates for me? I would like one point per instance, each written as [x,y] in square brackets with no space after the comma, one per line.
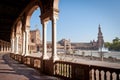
[100,41]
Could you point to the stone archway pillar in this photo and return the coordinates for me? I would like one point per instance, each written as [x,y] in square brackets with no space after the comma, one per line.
[44,42]
[1,46]
[16,40]
[12,45]
[26,42]
[23,44]
[7,47]
[54,37]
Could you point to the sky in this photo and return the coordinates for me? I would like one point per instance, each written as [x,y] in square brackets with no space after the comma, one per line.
[79,20]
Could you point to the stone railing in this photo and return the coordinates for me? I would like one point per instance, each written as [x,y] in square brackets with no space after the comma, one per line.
[33,62]
[69,70]
[5,47]
[75,71]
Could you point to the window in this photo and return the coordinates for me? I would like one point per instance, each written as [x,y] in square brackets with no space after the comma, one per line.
[32,40]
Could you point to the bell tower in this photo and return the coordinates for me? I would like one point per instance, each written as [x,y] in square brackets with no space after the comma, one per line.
[100,40]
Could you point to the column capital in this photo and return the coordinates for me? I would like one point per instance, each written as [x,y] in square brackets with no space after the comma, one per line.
[44,21]
[27,28]
[55,15]
[17,34]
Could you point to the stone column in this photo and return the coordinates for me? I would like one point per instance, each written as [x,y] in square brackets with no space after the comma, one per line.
[44,42]
[23,44]
[12,45]
[7,47]
[26,42]
[54,37]
[13,42]
[1,46]
[17,37]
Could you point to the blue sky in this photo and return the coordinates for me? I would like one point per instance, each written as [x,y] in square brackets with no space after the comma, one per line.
[79,20]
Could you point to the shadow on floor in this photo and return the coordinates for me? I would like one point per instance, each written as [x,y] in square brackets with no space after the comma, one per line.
[21,69]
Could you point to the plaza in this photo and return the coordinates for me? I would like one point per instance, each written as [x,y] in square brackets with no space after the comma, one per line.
[17,60]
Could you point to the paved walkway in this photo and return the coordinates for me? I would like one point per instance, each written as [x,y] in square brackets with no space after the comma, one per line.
[12,70]
[77,59]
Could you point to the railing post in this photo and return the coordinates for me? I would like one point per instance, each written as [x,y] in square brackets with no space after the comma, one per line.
[66,70]
[90,73]
[69,71]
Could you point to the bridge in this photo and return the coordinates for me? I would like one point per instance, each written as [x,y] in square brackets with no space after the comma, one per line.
[15,59]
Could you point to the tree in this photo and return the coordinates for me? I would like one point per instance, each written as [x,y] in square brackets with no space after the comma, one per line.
[115,45]
[116,40]
[107,44]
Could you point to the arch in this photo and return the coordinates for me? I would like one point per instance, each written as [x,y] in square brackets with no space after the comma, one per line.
[19,27]
[30,9]
[30,14]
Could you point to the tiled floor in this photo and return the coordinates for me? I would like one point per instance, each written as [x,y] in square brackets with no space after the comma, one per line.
[12,70]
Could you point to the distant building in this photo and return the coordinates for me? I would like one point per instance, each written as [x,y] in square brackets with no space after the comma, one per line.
[100,41]
[65,43]
[34,41]
[92,45]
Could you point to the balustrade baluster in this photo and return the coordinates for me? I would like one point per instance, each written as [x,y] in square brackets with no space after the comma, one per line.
[69,70]
[59,69]
[62,69]
[66,70]
[90,74]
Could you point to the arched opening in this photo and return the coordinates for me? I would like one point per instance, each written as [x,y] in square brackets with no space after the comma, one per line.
[35,30]
[31,44]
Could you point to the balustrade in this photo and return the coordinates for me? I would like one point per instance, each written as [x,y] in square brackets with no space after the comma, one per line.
[72,71]
[4,46]
[68,70]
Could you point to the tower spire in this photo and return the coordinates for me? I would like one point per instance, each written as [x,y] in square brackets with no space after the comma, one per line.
[99,28]
[100,37]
